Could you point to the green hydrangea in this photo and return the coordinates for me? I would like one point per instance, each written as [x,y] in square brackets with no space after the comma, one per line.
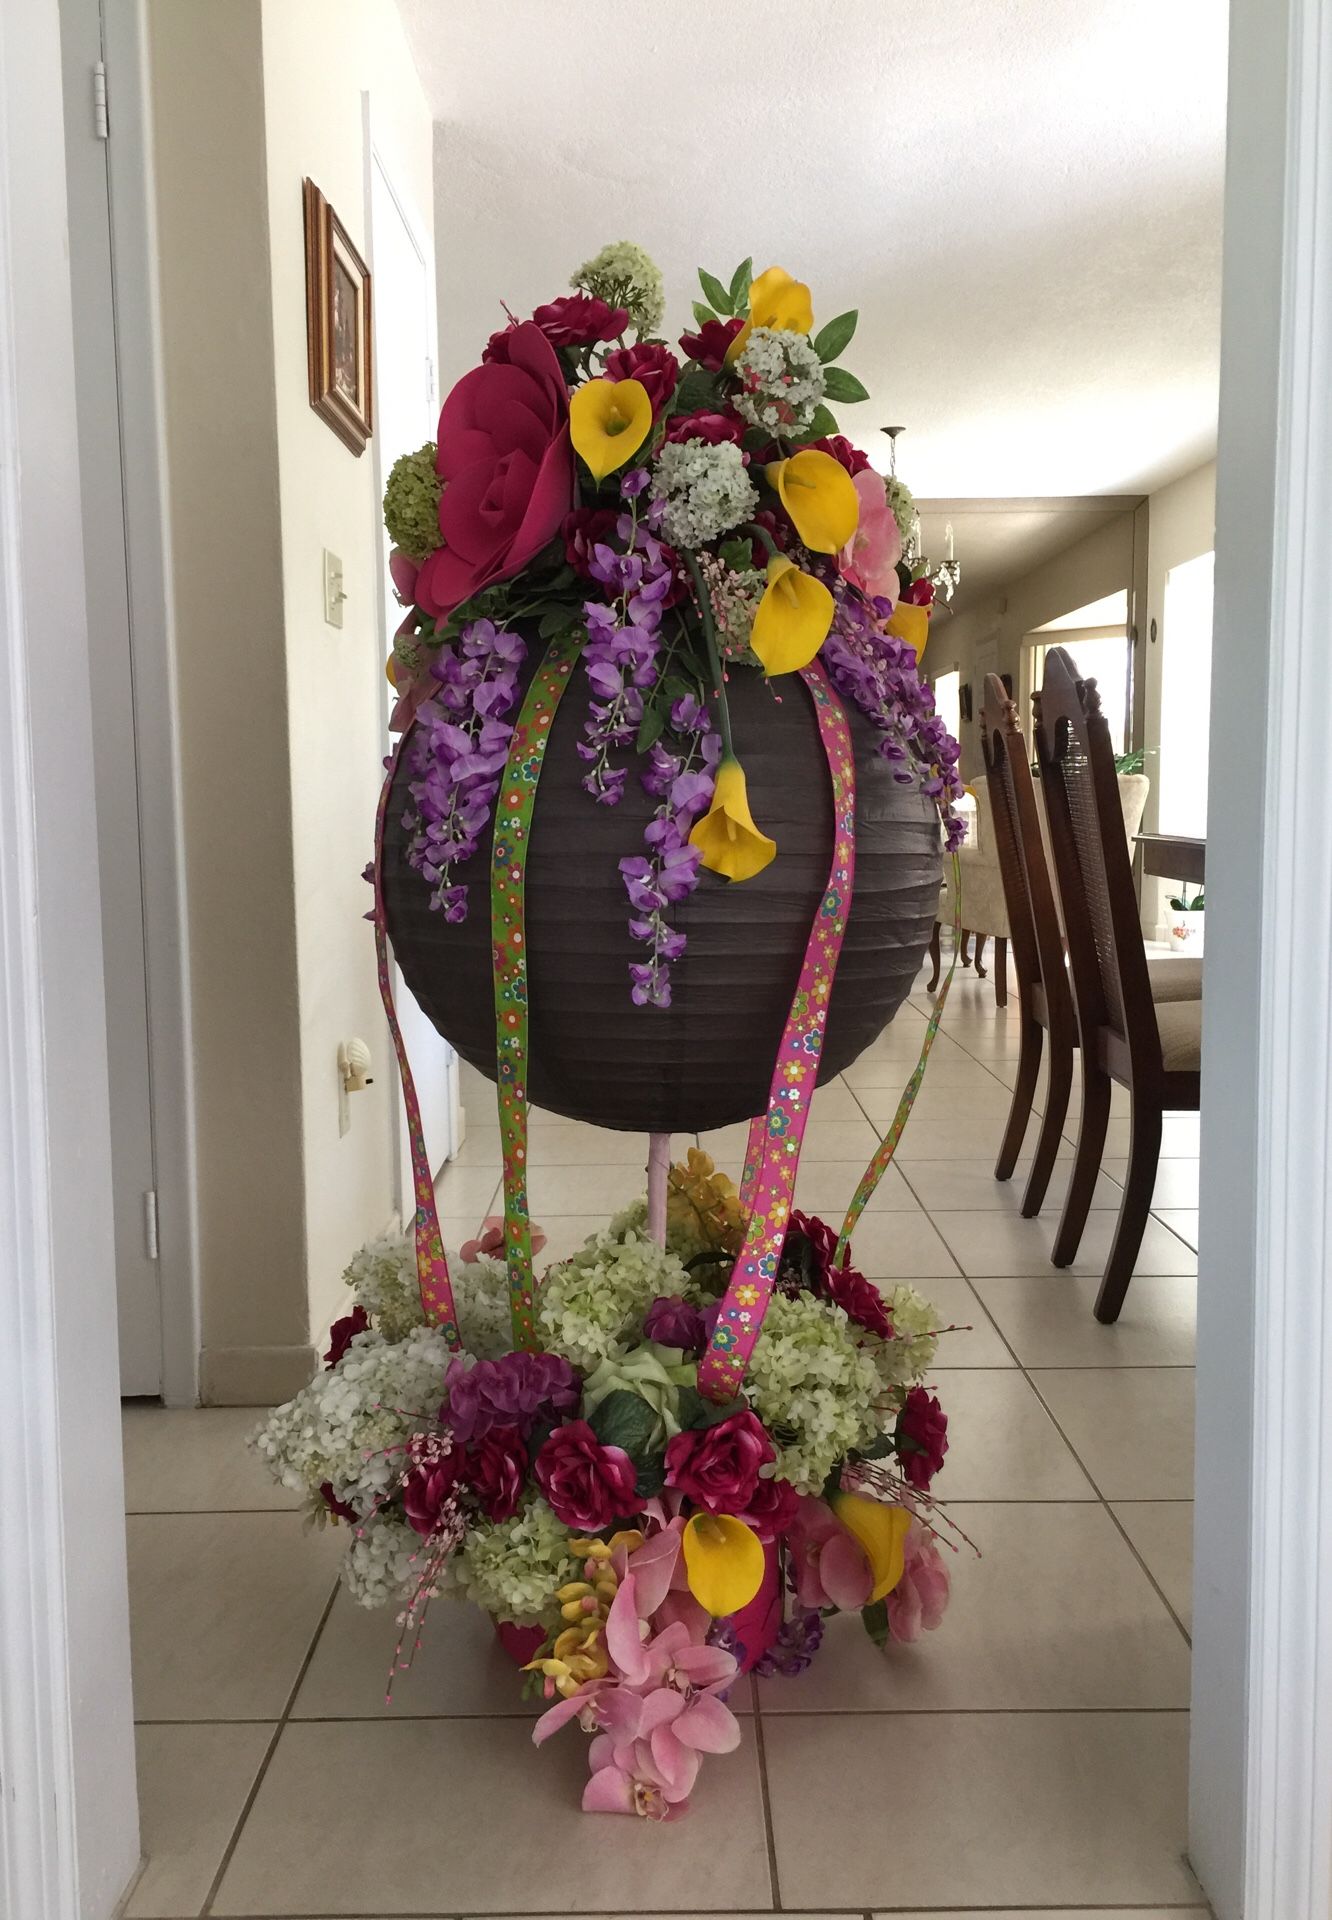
[902,503]
[513,1568]
[411,503]
[813,1387]
[909,1355]
[592,1306]
[625,276]
[382,1277]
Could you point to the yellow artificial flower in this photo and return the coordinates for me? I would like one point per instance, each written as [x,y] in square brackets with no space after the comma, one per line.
[793,617]
[577,1656]
[726,835]
[777,301]
[608,422]
[818,493]
[881,1531]
[723,1562]
[911,625]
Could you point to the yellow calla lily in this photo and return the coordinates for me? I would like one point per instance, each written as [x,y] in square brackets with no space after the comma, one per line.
[911,625]
[726,835]
[608,422]
[818,493]
[792,619]
[881,1531]
[777,301]
[723,1562]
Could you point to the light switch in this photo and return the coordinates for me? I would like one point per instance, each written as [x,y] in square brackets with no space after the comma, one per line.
[333,593]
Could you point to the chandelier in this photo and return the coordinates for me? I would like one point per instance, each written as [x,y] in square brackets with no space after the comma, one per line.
[946,576]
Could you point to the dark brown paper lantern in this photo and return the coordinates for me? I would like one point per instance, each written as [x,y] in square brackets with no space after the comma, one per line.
[707,1060]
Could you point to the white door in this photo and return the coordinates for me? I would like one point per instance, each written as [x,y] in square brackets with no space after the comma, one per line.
[116,848]
[406,410]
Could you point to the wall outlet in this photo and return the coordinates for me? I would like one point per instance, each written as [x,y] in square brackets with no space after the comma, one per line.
[333,593]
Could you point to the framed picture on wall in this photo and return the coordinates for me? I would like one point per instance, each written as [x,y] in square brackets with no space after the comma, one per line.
[338,324]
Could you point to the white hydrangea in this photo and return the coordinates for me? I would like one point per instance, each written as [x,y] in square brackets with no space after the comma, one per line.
[625,275]
[513,1567]
[481,1296]
[781,381]
[909,1355]
[592,1306]
[382,1565]
[813,1387]
[339,1429]
[704,491]
[382,1277]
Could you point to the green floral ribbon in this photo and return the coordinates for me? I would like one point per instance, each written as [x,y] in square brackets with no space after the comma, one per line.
[508,873]
[879,1165]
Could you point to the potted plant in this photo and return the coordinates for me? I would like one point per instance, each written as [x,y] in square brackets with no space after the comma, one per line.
[1185,926]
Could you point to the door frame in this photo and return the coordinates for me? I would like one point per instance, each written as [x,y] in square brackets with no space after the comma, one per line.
[69,1841]
[153,642]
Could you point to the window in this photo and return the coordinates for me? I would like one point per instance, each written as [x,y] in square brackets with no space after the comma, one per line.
[1096,636]
[948,700]
[1186,677]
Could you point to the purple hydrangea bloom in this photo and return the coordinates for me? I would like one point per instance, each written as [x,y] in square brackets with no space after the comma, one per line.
[509,1392]
[675,1323]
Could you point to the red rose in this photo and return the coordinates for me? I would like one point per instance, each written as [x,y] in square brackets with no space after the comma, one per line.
[921,1437]
[343,1332]
[336,1506]
[773,1507]
[582,529]
[587,1486]
[842,451]
[718,1467]
[495,1468]
[920,593]
[708,346]
[435,1466]
[655,368]
[859,1299]
[508,469]
[579,320]
[709,425]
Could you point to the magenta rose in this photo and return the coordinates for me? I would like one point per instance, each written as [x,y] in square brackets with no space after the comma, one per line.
[711,425]
[587,1486]
[507,466]
[580,320]
[434,1468]
[672,1322]
[336,1506]
[582,529]
[772,1509]
[343,1332]
[843,452]
[718,1467]
[921,1437]
[495,1469]
[708,346]
[811,1246]
[654,366]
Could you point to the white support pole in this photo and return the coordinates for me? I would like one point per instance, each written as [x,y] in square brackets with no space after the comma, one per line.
[658,1167]
[68,1823]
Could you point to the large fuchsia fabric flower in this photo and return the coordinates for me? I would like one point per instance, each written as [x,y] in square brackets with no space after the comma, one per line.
[507,466]
[718,1466]
[587,1485]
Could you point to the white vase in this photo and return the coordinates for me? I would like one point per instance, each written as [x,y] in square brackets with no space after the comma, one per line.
[1185,929]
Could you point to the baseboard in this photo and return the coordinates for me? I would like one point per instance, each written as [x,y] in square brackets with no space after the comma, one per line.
[254,1376]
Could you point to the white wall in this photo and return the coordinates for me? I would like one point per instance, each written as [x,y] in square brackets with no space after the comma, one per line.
[279,712]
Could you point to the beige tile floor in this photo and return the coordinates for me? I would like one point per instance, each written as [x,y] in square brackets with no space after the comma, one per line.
[1029,1758]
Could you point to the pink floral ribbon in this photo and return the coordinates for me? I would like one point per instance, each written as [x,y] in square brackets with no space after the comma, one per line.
[432,1267]
[773,1154]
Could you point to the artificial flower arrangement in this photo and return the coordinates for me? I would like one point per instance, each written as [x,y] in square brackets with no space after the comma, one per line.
[637,1545]
[686,512]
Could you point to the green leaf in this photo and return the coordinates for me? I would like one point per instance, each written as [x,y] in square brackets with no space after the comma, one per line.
[738,555]
[838,384]
[821,425]
[695,1411]
[879,1450]
[624,1420]
[740,283]
[702,314]
[696,392]
[651,1479]
[832,340]
[554,620]
[714,292]
[875,1617]
[650,728]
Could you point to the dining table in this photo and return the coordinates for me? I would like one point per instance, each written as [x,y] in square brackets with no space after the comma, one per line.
[1173,856]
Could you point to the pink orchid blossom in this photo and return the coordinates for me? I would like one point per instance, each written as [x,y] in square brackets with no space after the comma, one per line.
[626,1780]
[919,1600]
[491,1240]
[831,1566]
[869,559]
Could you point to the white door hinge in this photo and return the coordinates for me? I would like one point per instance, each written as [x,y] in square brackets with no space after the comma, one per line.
[101,125]
[150,1225]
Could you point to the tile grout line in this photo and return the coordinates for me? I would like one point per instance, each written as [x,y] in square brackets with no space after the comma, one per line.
[216,1884]
[770,1837]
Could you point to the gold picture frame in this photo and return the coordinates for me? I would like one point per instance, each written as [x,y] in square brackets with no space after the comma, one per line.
[338,325]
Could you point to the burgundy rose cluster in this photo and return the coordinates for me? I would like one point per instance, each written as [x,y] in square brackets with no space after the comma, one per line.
[481,1447]
[808,1261]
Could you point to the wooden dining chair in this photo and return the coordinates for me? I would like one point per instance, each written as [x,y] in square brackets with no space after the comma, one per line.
[1152,1048]
[1045,1003]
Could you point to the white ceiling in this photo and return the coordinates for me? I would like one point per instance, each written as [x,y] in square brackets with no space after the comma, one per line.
[1023,198]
